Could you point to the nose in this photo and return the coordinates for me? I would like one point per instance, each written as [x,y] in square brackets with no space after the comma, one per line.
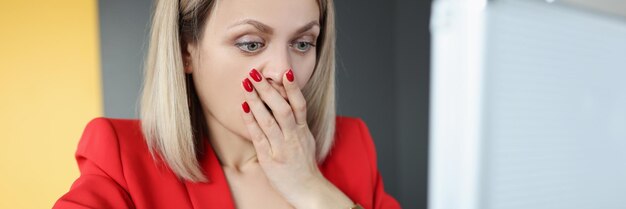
[277,64]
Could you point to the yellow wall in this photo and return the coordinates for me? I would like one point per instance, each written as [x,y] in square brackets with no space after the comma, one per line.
[49,90]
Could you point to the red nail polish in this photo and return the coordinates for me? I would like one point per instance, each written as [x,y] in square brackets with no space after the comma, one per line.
[290,75]
[245,107]
[247,85]
[255,75]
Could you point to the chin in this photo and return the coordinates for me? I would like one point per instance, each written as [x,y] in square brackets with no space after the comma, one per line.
[231,121]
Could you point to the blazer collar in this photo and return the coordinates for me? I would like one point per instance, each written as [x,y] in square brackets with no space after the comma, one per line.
[215,193]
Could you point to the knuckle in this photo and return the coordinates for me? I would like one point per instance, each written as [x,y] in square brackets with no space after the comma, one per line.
[268,122]
[301,108]
[249,122]
[260,138]
[254,98]
[293,86]
[284,112]
[264,87]
[303,126]
[260,142]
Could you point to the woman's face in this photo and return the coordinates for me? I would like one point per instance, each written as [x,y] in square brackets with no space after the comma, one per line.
[271,36]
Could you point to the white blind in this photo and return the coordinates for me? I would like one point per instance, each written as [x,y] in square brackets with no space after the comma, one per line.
[554,110]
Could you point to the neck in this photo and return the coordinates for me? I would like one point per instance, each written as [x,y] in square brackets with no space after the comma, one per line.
[233,150]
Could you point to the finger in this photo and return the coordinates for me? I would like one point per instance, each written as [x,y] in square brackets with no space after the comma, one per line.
[263,117]
[296,99]
[280,108]
[261,144]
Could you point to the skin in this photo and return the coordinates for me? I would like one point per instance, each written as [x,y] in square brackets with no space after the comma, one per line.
[267,156]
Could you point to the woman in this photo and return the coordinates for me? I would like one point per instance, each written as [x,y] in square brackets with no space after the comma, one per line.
[237,111]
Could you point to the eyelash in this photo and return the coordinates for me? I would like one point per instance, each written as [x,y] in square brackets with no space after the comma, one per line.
[241,46]
[309,46]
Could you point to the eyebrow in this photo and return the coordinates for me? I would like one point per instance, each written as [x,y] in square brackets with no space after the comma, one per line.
[269,30]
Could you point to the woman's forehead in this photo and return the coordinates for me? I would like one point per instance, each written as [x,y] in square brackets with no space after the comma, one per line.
[278,14]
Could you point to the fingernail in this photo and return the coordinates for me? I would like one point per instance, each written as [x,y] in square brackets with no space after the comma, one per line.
[290,75]
[255,75]
[247,85]
[245,107]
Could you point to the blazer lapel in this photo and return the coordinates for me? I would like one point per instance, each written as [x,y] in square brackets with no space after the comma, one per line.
[215,193]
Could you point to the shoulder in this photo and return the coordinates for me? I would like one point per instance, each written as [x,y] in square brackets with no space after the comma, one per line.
[351,163]
[116,145]
[353,136]
[108,127]
[109,134]
[115,164]
[348,126]
[112,127]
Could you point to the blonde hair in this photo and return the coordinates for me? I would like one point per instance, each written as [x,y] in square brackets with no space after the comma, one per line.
[172,120]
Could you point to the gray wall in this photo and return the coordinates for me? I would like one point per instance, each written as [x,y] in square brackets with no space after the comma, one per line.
[124,28]
[382,77]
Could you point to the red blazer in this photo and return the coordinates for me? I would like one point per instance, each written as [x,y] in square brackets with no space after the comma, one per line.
[117,171]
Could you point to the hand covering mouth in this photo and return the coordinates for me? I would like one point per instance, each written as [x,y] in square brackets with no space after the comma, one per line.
[270,109]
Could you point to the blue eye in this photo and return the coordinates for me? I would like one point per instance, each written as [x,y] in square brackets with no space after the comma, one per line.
[303,46]
[250,46]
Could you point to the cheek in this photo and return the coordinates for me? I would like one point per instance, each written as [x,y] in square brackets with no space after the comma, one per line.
[303,69]
[217,79]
